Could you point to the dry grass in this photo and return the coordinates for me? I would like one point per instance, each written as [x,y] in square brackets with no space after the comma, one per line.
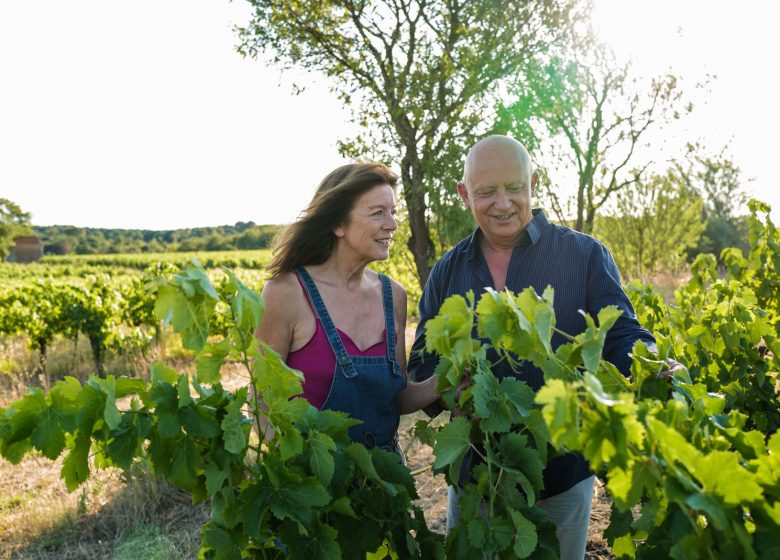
[19,366]
[114,515]
[41,520]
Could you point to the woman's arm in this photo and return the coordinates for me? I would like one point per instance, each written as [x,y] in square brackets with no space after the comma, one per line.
[416,395]
[277,328]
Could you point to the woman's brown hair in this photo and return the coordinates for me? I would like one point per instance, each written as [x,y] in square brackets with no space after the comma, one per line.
[310,240]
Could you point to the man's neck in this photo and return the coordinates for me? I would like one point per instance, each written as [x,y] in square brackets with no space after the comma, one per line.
[497,248]
[497,257]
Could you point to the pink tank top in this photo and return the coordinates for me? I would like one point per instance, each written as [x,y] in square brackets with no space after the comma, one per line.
[317,362]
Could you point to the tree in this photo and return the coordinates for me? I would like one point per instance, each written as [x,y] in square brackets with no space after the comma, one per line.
[656,220]
[13,222]
[593,116]
[718,180]
[421,77]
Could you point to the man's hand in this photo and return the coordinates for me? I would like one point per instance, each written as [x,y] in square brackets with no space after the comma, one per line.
[674,368]
[668,375]
[464,384]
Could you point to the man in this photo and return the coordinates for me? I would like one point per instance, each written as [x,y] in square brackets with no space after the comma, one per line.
[515,247]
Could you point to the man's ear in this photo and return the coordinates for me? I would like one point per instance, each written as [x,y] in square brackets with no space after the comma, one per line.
[534,181]
[464,194]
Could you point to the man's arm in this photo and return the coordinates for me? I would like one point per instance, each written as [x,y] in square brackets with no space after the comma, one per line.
[603,289]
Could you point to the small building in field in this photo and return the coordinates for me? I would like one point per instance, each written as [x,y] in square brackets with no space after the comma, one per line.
[26,249]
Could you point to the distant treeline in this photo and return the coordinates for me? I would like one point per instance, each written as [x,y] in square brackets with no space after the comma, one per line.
[87,241]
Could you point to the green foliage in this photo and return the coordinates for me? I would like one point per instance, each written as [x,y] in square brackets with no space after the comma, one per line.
[95,241]
[726,329]
[589,114]
[691,462]
[13,222]
[304,486]
[216,259]
[109,306]
[110,314]
[677,450]
[422,80]
[655,222]
[717,179]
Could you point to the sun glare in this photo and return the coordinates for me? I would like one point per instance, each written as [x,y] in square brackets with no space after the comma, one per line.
[729,46]
[647,33]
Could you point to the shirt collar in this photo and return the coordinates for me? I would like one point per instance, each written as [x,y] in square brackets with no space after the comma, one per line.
[539,223]
[529,236]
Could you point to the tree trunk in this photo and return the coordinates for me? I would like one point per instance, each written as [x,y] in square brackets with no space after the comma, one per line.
[420,242]
[43,370]
[580,206]
[97,353]
[587,227]
[74,358]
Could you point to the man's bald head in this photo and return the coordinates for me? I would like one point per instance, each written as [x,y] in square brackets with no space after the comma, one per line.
[497,148]
[498,186]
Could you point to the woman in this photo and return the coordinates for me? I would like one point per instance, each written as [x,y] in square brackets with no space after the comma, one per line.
[335,320]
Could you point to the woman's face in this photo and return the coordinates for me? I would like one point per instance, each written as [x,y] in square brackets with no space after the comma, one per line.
[370,225]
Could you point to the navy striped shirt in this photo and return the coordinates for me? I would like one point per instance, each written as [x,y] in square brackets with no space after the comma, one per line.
[583,275]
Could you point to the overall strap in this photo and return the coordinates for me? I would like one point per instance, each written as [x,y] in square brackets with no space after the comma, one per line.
[387,300]
[342,358]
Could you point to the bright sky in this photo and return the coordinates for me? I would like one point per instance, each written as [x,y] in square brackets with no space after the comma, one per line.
[142,115]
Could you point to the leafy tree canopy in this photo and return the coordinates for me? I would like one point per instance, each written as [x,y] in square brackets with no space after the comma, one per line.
[718,179]
[654,222]
[422,77]
[13,222]
[86,241]
[589,115]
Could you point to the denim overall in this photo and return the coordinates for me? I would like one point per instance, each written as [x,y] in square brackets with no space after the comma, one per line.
[365,387]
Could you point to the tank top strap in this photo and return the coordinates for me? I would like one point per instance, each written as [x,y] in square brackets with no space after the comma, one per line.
[342,358]
[387,301]
[305,291]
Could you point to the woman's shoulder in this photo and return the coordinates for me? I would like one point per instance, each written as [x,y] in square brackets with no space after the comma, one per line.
[395,284]
[399,293]
[284,285]
[398,289]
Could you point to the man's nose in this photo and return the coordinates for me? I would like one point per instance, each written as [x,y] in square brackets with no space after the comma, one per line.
[502,199]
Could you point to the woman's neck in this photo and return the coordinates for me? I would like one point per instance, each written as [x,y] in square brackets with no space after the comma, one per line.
[339,272]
